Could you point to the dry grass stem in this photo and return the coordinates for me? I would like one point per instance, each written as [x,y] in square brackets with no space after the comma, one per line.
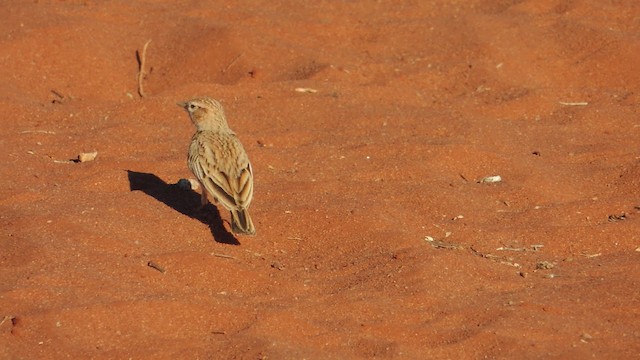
[141,72]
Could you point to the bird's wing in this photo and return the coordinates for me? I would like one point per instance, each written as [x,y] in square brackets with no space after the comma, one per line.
[244,186]
[222,166]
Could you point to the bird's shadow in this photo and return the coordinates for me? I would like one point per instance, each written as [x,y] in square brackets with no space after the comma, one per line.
[186,202]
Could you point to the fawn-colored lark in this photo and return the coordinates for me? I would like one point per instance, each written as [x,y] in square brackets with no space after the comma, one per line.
[220,163]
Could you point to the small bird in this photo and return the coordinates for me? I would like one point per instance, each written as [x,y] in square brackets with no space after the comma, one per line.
[220,163]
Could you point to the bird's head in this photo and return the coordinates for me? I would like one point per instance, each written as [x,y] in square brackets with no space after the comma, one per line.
[205,113]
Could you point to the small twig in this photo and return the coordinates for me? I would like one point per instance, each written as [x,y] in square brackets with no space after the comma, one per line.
[153,265]
[141,61]
[232,62]
[444,245]
[57,94]
[533,248]
[38,132]
[305,90]
[589,256]
[7,317]
[219,332]
[441,244]
[498,259]
[223,256]
[579,103]
[504,248]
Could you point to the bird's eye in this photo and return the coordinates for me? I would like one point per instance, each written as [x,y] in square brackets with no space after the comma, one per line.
[193,106]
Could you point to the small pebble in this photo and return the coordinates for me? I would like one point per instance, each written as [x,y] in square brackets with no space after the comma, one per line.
[84,157]
[491,179]
[188,184]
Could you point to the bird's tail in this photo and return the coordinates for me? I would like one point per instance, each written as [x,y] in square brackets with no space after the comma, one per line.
[241,222]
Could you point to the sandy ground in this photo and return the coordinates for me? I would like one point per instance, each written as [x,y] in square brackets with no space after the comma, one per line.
[376,238]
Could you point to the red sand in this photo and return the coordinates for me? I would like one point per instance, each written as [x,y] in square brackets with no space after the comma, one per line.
[415,103]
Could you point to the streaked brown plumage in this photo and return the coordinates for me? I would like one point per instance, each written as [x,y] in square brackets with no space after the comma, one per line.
[220,163]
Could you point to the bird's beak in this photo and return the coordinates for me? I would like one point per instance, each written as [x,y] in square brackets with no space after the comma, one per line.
[182,104]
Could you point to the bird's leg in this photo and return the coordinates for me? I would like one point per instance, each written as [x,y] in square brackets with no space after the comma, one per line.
[203,198]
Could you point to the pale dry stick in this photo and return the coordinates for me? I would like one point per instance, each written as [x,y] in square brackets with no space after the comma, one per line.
[580,103]
[589,256]
[223,256]
[507,248]
[7,317]
[445,245]
[504,248]
[305,90]
[498,259]
[141,60]
[232,62]
[38,132]
[442,244]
